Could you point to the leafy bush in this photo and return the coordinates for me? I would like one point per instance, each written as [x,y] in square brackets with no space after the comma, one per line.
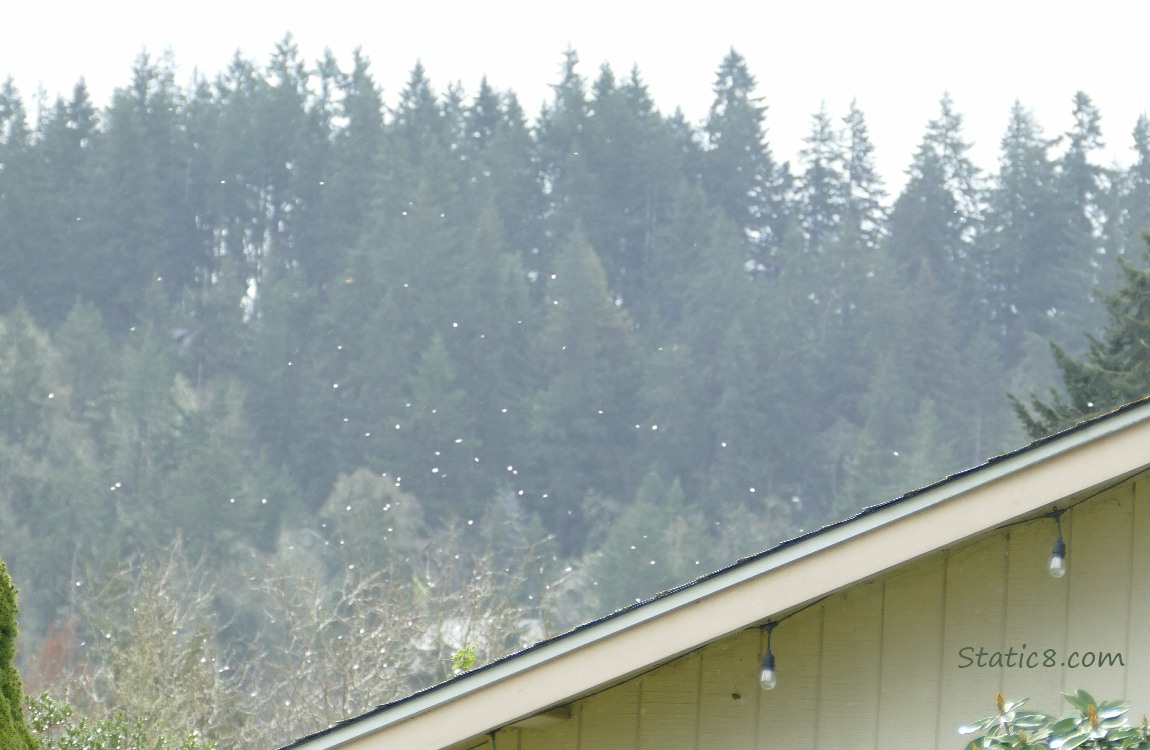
[1092,724]
[57,727]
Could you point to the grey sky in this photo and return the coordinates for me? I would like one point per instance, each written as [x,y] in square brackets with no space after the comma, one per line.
[896,58]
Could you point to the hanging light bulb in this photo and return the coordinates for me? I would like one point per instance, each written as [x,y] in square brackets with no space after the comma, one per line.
[1058,558]
[1058,552]
[768,679]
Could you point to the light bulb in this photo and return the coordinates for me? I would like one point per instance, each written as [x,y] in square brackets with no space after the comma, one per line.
[767,677]
[1058,558]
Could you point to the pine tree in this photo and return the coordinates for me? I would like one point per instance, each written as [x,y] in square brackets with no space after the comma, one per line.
[565,178]
[1084,189]
[583,415]
[62,195]
[350,184]
[654,538]
[141,230]
[821,192]
[739,172]
[934,219]
[503,172]
[1022,246]
[1116,368]
[865,220]
[21,199]
[630,153]
[1135,191]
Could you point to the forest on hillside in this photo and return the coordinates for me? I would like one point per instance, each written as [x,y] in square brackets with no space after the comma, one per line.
[321,398]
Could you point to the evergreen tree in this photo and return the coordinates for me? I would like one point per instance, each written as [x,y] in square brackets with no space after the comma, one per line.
[1116,368]
[14,732]
[822,194]
[652,538]
[739,172]
[1082,179]
[436,444]
[865,217]
[289,397]
[1084,190]
[583,419]
[350,182]
[565,179]
[934,219]
[504,173]
[21,201]
[62,185]
[1134,217]
[140,229]
[1026,259]
[630,153]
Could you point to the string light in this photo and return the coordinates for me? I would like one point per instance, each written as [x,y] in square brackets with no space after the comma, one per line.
[768,679]
[1058,552]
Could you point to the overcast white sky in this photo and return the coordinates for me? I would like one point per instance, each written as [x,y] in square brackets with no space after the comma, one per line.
[896,58]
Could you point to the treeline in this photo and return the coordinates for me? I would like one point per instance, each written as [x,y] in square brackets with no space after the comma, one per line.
[649,342]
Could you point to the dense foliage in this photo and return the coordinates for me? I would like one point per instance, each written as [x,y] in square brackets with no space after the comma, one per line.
[1116,367]
[1092,724]
[13,731]
[497,373]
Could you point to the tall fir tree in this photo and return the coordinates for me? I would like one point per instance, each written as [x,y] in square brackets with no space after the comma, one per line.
[1026,264]
[739,172]
[140,229]
[821,192]
[630,154]
[934,219]
[583,414]
[1116,367]
[565,179]
[865,220]
[1084,190]
[20,204]
[1135,190]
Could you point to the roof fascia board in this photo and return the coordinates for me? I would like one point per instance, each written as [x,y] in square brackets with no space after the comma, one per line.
[999,492]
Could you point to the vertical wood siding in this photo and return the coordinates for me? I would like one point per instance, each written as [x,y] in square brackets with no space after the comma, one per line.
[913,609]
[788,717]
[883,665]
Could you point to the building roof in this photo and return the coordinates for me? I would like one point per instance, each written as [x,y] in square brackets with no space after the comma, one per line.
[1057,471]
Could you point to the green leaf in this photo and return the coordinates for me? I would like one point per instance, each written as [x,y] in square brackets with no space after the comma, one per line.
[1031,719]
[1080,699]
[1111,709]
[1071,742]
[1066,725]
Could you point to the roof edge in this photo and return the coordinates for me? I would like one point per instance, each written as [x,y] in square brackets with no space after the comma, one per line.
[786,552]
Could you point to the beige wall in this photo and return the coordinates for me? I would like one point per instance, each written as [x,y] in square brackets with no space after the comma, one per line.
[879,665]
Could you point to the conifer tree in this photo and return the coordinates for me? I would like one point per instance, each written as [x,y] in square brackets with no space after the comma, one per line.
[821,191]
[582,420]
[1022,246]
[865,221]
[564,176]
[14,734]
[1084,189]
[1116,368]
[630,153]
[20,200]
[934,219]
[1134,217]
[739,172]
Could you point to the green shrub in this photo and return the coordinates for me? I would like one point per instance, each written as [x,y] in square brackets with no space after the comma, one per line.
[1092,725]
[14,734]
